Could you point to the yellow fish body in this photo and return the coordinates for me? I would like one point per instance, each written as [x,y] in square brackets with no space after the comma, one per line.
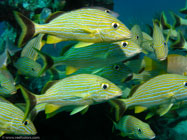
[77,91]
[159,44]
[28,50]
[177,64]
[86,25]
[134,128]
[163,90]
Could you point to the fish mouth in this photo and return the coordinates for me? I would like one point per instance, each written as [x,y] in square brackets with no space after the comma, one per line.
[14,92]
[161,59]
[128,36]
[152,137]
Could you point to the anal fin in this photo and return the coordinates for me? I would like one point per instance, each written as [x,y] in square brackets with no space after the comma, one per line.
[139,109]
[49,108]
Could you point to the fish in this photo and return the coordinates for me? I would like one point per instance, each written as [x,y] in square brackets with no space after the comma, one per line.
[180,42]
[116,72]
[162,91]
[137,35]
[7,83]
[100,27]
[184,10]
[10,48]
[147,43]
[11,120]
[177,64]
[135,65]
[77,91]
[45,13]
[178,21]
[3,58]
[97,55]
[173,33]
[163,21]
[27,67]
[159,43]
[134,128]
[28,50]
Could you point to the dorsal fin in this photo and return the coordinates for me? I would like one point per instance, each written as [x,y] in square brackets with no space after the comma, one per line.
[4,100]
[66,48]
[119,106]
[48,85]
[163,21]
[53,16]
[133,89]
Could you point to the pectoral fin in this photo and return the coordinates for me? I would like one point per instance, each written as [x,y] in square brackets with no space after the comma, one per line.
[53,39]
[82,44]
[164,109]
[78,109]
[70,70]
[1,133]
[49,108]
[185,74]
[139,109]
[149,115]
[48,85]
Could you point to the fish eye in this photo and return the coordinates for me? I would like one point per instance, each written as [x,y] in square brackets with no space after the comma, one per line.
[115,25]
[137,37]
[25,123]
[185,84]
[164,43]
[139,130]
[32,69]
[107,11]
[124,44]
[104,85]
[116,67]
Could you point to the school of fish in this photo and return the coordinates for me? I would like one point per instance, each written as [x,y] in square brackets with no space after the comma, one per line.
[100,60]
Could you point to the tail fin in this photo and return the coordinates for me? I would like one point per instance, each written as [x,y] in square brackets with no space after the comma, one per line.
[30,100]
[180,42]
[27,26]
[119,106]
[48,61]
[164,22]
[150,64]
[177,21]
[184,10]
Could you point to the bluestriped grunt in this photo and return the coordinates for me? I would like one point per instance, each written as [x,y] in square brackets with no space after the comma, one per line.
[11,120]
[134,128]
[97,55]
[27,67]
[7,84]
[78,91]
[159,43]
[163,91]
[86,25]
[28,50]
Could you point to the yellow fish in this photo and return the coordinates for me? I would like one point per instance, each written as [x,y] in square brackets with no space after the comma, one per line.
[86,25]
[162,91]
[134,128]
[159,44]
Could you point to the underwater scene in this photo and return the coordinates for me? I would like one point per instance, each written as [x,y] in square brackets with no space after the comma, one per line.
[93,69]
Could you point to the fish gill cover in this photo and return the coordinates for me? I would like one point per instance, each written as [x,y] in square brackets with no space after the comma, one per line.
[93,69]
